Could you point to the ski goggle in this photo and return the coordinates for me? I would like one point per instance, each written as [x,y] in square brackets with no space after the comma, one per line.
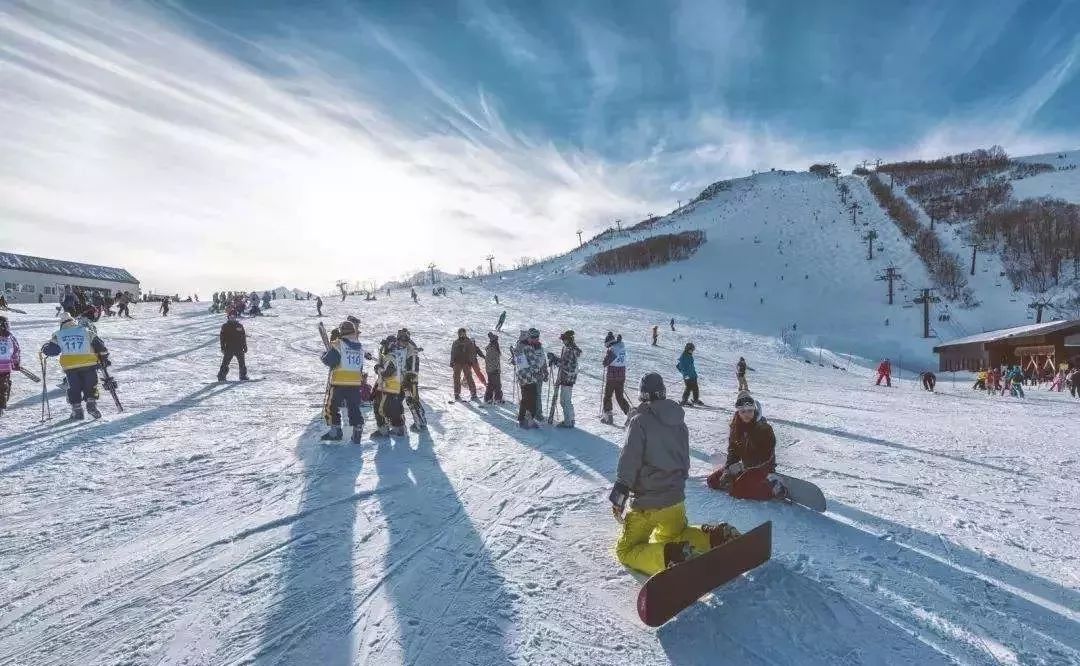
[746,409]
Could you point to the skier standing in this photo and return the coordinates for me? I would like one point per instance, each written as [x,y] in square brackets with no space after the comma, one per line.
[493,364]
[532,372]
[318,305]
[884,371]
[164,309]
[673,324]
[410,384]
[740,373]
[412,292]
[615,376]
[462,358]
[389,403]
[749,471]
[233,341]
[929,381]
[651,478]
[345,358]
[266,300]
[10,360]
[655,335]
[567,363]
[81,351]
[502,320]
[689,374]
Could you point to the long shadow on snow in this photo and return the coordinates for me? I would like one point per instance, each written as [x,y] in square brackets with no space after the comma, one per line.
[953,603]
[101,430]
[115,371]
[313,609]
[450,603]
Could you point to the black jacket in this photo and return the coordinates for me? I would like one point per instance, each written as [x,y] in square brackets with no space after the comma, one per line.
[233,338]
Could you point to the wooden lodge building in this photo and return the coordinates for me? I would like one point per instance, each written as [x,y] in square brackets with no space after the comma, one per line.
[1050,343]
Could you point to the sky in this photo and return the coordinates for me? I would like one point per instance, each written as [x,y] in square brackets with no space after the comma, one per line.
[207,145]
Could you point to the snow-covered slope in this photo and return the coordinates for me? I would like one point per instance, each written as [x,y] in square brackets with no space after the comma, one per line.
[207,525]
[783,252]
[1064,183]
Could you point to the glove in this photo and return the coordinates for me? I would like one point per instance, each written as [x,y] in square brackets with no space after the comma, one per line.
[734,469]
[552,359]
[618,496]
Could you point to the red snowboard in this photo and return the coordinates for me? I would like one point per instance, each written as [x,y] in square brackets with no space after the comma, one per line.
[669,592]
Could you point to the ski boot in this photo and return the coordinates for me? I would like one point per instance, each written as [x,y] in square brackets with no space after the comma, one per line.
[399,431]
[685,403]
[416,427]
[569,425]
[76,413]
[699,403]
[91,407]
[608,418]
[357,434]
[332,435]
[534,424]
[779,490]
[474,398]
[382,432]
[221,378]
[244,378]
[677,552]
[720,533]
[525,423]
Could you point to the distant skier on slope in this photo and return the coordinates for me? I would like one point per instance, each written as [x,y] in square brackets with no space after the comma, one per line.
[651,479]
[81,351]
[531,372]
[412,293]
[740,373]
[884,371]
[615,376]
[655,335]
[502,320]
[688,370]
[345,358]
[673,324]
[318,306]
[749,471]
[567,364]
[929,380]
[233,341]
[164,309]
[10,361]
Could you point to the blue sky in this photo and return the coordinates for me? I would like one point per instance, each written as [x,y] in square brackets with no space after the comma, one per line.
[275,141]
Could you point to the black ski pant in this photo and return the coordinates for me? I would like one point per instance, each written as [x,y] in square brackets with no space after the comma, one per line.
[226,361]
[493,392]
[350,396]
[928,382]
[5,389]
[466,369]
[82,384]
[691,389]
[122,311]
[529,399]
[614,387]
[389,408]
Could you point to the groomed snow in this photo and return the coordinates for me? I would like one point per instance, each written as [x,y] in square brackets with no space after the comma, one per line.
[207,525]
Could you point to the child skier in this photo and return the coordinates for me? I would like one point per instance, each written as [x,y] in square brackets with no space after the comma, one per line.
[567,363]
[651,478]
[493,364]
[748,472]
[531,373]
[615,376]
[389,401]
[10,359]
[689,373]
[345,358]
[81,351]
[233,341]
[410,384]
[884,371]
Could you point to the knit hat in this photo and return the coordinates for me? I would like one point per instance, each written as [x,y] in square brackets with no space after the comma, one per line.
[347,328]
[609,339]
[534,333]
[567,335]
[744,399]
[493,336]
[690,347]
[652,387]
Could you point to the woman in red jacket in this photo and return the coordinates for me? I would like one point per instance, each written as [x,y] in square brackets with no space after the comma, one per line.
[751,459]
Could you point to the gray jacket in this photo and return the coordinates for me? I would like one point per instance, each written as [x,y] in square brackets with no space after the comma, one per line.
[655,460]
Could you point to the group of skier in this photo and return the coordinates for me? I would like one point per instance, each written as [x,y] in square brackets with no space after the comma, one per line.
[1011,379]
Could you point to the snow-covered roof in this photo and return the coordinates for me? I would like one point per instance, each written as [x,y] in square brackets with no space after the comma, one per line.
[22,262]
[1014,332]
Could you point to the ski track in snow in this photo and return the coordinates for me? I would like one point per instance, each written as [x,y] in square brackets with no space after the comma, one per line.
[208,525]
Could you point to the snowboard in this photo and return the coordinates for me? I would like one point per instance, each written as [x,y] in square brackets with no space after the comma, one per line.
[668,593]
[804,493]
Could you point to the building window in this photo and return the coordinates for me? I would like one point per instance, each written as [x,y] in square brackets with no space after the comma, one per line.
[10,287]
[28,288]
[49,291]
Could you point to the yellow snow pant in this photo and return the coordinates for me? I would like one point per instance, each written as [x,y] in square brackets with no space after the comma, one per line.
[645,531]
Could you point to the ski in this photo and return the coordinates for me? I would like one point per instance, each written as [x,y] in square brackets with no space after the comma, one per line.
[110,384]
[668,593]
[327,416]
[30,375]
[12,310]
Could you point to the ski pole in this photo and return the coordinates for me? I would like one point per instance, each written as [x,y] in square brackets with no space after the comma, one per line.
[45,408]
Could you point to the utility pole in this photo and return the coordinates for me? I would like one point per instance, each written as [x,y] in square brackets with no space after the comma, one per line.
[926,299]
[580,243]
[974,249]
[870,237]
[491,267]
[431,267]
[1038,306]
[854,208]
[889,275]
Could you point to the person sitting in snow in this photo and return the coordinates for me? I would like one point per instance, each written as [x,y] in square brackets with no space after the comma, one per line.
[651,480]
[748,472]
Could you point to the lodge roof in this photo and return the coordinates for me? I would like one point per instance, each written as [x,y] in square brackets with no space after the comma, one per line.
[22,262]
[1009,333]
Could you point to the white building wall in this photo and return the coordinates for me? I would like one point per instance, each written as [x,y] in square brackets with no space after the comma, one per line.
[25,286]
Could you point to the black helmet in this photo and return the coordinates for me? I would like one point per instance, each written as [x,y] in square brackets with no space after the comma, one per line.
[567,336]
[652,387]
[3,325]
[346,327]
